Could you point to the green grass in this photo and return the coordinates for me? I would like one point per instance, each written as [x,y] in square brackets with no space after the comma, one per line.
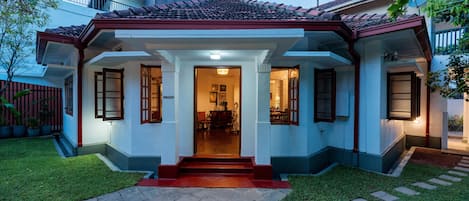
[30,169]
[345,183]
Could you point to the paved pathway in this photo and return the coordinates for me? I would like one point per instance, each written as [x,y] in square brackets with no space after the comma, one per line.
[140,193]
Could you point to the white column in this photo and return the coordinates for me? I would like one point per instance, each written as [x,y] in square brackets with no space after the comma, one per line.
[169,153]
[465,127]
[262,134]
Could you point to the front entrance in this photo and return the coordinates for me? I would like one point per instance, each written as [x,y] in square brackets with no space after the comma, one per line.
[217,111]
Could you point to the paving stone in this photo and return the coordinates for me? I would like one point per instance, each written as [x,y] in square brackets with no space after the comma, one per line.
[440,182]
[463,165]
[461,169]
[406,191]
[359,199]
[450,178]
[424,185]
[464,161]
[457,173]
[465,157]
[384,196]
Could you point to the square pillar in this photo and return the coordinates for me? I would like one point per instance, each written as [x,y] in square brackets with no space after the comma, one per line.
[262,167]
[169,153]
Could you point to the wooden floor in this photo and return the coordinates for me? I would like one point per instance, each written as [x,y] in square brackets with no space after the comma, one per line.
[217,142]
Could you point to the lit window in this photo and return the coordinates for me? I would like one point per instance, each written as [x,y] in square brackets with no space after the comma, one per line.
[284,95]
[151,94]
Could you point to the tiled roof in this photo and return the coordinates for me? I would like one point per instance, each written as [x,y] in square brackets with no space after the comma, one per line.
[221,10]
[362,21]
[246,10]
[70,31]
[331,4]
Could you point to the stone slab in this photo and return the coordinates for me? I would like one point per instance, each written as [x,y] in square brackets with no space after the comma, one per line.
[359,199]
[464,161]
[461,174]
[407,191]
[424,185]
[463,165]
[384,196]
[461,169]
[450,178]
[439,182]
[465,158]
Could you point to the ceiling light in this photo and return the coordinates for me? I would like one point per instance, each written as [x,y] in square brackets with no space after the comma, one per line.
[215,56]
[222,71]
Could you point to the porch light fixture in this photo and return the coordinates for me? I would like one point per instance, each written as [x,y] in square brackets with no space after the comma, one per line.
[222,71]
[215,56]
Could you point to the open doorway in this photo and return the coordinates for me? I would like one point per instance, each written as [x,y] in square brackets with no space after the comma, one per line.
[217,111]
[456,124]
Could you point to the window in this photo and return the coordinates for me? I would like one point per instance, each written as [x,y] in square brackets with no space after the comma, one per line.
[324,95]
[284,96]
[98,98]
[151,94]
[68,86]
[113,94]
[403,96]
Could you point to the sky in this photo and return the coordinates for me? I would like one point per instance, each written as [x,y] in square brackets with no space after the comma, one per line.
[302,3]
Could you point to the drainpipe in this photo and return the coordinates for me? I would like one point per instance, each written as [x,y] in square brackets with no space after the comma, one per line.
[356,61]
[81,56]
[427,126]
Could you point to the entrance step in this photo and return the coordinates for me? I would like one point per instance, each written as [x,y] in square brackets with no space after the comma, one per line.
[216,166]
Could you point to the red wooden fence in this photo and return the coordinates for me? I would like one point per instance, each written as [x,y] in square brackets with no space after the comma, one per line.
[29,106]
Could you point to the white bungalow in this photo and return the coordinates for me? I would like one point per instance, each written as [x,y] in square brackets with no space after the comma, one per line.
[157,87]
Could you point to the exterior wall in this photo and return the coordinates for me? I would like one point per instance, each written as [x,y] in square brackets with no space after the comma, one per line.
[70,121]
[438,104]
[455,107]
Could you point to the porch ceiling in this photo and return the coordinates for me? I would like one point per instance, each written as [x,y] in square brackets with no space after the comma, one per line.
[117,58]
[60,54]
[324,59]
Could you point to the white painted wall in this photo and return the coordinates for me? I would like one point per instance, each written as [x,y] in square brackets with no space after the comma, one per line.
[438,104]
[70,121]
[455,107]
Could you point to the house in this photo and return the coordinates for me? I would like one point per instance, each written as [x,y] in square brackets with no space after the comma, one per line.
[292,88]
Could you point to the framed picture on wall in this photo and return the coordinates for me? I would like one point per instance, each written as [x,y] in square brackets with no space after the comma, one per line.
[222,96]
[222,87]
[213,97]
[214,87]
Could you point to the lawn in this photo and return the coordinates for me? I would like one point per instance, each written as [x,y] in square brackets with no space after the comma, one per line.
[31,169]
[345,183]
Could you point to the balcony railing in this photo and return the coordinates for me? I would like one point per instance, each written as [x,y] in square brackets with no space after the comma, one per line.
[104,5]
[446,41]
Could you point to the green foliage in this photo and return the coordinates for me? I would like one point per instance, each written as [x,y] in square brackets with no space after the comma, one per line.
[18,22]
[453,80]
[345,183]
[455,123]
[31,169]
[5,104]
[397,8]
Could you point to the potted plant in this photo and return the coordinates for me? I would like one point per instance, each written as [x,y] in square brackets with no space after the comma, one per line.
[4,128]
[45,115]
[19,129]
[33,127]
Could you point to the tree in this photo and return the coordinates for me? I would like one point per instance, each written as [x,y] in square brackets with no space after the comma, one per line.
[19,20]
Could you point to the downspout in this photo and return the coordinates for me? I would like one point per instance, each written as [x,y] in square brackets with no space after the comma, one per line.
[356,61]
[427,126]
[81,56]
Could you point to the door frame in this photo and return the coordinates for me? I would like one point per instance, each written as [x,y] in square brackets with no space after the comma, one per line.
[214,67]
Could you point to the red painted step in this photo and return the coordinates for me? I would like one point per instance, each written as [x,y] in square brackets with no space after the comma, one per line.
[216,166]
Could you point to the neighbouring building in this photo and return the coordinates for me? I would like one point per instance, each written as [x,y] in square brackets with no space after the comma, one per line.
[294,89]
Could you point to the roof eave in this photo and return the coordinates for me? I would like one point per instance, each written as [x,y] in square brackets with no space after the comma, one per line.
[44,37]
[416,23]
[96,25]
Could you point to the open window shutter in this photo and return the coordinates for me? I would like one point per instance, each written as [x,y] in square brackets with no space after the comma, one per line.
[293,96]
[113,94]
[403,96]
[98,94]
[324,95]
[145,97]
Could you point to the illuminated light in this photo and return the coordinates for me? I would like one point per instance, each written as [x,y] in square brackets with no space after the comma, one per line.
[215,56]
[222,71]
[418,120]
